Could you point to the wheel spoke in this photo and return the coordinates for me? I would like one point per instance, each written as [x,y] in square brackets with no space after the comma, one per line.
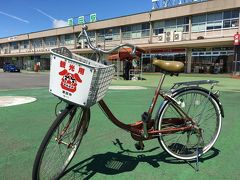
[204,110]
[60,144]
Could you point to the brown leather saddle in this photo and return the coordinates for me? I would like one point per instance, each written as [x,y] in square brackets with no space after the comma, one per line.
[170,67]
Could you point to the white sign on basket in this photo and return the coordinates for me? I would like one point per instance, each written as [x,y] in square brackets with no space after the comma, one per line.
[69,80]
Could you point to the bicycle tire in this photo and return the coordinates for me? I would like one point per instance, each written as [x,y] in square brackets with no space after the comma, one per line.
[49,163]
[185,145]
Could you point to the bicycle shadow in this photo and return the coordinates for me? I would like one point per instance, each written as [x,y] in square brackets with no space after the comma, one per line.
[112,163]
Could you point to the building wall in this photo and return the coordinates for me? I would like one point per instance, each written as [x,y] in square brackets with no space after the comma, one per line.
[143,29]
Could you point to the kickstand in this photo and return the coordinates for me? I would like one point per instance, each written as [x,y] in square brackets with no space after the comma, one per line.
[197,160]
[196,167]
[199,149]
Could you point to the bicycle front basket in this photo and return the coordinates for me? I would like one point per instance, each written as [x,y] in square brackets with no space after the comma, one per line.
[77,79]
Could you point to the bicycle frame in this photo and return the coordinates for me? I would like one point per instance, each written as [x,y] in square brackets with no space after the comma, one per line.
[144,129]
[138,131]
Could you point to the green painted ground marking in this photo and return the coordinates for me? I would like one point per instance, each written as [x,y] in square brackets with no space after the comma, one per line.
[23,127]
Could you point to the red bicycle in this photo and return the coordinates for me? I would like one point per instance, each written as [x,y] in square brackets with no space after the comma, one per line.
[187,123]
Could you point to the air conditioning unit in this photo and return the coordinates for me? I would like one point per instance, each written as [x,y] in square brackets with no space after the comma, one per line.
[177,36]
[169,36]
[161,37]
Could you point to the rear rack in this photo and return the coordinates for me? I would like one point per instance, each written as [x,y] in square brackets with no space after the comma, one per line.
[194,83]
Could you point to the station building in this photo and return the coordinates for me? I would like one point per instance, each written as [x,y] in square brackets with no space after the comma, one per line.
[199,34]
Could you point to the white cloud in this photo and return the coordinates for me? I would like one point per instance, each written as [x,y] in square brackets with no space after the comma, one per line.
[56,23]
[59,23]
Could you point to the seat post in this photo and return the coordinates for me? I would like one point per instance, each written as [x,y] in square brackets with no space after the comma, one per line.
[157,92]
[146,116]
[160,83]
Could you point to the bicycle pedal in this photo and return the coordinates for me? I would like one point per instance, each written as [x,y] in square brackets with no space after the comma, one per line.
[139,145]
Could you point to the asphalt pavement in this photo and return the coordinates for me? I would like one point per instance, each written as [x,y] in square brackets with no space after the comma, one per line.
[23,80]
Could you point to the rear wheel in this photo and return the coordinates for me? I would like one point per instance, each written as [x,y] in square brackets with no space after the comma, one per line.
[204,111]
[61,143]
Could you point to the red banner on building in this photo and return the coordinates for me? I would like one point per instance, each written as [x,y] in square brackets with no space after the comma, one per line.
[236,39]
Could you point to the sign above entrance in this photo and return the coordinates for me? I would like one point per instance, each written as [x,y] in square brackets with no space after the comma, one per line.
[70,21]
[81,20]
[89,18]
[93,17]
[236,39]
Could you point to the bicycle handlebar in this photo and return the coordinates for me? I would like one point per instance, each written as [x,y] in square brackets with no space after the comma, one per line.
[99,50]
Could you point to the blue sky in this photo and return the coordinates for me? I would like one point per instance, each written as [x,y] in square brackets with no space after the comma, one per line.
[24,16]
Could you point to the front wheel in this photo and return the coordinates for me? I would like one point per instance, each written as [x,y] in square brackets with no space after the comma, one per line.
[204,110]
[61,143]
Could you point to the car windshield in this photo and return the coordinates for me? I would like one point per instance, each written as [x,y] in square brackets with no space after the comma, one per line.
[11,65]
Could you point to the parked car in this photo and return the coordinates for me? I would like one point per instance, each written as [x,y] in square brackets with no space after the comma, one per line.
[10,68]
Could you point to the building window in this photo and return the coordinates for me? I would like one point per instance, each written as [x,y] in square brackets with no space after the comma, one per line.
[51,41]
[25,44]
[109,34]
[136,31]
[112,34]
[199,23]
[235,23]
[230,19]
[4,49]
[180,24]
[214,25]
[227,24]
[126,32]
[69,39]
[37,43]
[158,27]
[14,45]
[91,34]
[170,25]
[227,15]
[62,40]
[101,35]
[214,21]
[4,46]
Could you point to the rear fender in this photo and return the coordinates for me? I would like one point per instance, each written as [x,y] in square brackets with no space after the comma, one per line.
[177,91]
